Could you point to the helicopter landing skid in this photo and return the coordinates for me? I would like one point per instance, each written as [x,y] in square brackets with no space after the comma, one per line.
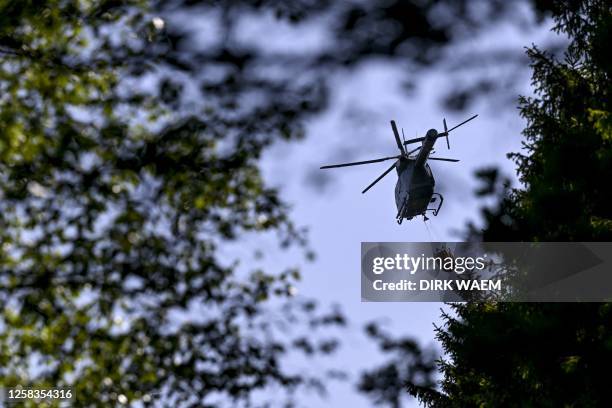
[400,214]
[434,210]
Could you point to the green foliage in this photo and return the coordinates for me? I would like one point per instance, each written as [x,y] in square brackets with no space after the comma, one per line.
[566,164]
[129,155]
[545,355]
[114,202]
[408,363]
[525,355]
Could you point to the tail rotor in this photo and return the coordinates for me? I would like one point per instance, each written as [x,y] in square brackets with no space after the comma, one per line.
[446,133]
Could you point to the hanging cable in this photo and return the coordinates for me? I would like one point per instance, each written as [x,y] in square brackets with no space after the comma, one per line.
[428,231]
[434,233]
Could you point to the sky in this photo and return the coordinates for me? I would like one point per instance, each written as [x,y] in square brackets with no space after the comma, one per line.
[329,202]
[356,127]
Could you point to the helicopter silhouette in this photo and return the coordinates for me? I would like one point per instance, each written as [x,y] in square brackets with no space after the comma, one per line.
[414,190]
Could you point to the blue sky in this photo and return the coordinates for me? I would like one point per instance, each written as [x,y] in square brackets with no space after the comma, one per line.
[339,217]
[356,127]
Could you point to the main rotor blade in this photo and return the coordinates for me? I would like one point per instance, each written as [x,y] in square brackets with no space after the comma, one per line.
[443,134]
[443,159]
[414,150]
[418,139]
[462,123]
[379,178]
[331,166]
[397,137]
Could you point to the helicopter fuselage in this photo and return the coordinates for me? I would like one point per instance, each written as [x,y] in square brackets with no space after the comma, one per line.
[414,188]
[426,147]
[415,182]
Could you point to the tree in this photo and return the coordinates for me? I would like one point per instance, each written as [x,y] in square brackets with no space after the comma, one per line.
[114,202]
[409,363]
[537,354]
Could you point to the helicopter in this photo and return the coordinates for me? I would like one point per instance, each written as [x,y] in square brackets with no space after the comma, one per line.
[414,190]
